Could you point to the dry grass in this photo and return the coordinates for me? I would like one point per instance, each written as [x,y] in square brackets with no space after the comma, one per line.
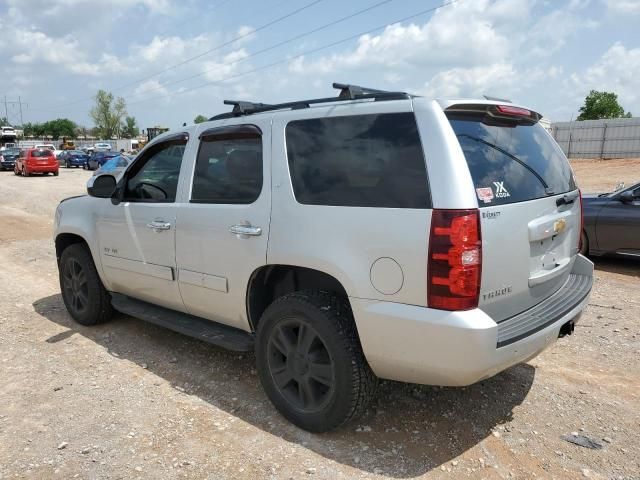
[603,175]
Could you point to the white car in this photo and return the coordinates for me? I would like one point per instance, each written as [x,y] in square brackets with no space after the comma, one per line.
[102,147]
[369,235]
[46,146]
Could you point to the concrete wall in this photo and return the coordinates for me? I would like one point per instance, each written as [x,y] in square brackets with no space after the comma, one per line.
[613,138]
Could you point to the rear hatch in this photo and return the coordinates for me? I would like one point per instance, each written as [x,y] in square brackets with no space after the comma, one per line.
[42,157]
[529,205]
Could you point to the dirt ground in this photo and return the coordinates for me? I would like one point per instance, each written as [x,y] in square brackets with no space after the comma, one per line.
[603,175]
[131,400]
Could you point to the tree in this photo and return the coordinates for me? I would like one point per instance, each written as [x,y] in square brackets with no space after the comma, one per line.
[4,122]
[107,114]
[601,105]
[129,128]
[200,119]
[60,127]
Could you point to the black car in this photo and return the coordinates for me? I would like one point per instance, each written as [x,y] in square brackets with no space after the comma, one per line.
[99,158]
[73,158]
[612,222]
[8,158]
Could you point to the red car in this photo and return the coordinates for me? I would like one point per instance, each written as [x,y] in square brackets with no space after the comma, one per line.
[36,160]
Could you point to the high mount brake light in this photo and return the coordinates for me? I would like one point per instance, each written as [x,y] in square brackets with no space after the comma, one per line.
[455,260]
[513,111]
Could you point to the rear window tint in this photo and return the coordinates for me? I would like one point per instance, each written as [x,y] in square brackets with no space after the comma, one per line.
[511,163]
[358,161]
[41,153]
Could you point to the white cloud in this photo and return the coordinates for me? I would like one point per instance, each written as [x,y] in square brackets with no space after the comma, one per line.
[616,71]
[443,40]
[218,70]
[151,86]
[472,82]
[624,7]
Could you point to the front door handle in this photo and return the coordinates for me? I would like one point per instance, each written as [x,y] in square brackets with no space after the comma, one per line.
[245,230]
[159,225]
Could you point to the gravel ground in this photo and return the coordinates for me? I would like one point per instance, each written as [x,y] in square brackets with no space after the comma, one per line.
[131,400]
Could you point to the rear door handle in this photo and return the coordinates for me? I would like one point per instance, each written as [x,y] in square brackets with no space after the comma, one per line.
[245,230]
[159,225]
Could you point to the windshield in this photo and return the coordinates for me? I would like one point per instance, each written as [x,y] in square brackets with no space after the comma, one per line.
[511,163]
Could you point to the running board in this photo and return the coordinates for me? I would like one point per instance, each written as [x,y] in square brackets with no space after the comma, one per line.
[196,327]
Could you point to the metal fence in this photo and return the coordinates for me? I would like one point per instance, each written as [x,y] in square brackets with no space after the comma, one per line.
[614,138]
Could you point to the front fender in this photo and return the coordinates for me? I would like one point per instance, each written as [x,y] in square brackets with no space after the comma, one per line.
[77,216]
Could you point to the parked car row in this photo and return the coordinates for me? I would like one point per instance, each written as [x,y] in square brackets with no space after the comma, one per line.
[28,161]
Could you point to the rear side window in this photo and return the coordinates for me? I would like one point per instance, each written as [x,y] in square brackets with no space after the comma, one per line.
[41,153]
[228,169]
[511,162]
[358,161]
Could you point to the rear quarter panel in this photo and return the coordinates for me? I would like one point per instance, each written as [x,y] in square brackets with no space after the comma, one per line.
[346,241]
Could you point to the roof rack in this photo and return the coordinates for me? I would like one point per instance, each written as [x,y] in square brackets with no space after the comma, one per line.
[347,93]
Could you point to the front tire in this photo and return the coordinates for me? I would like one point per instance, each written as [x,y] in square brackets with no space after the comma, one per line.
[584,244]
[310,360]
[86,299]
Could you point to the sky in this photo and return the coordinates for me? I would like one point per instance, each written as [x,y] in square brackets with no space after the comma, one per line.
[174,59]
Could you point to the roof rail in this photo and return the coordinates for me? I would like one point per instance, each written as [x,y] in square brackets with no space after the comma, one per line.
[347,93]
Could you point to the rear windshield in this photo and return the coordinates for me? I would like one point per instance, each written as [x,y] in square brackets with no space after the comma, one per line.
[358,161]
[41,153]
[511,163]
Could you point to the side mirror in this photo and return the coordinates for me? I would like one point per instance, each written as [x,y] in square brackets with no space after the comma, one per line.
[626,197]
[101,186]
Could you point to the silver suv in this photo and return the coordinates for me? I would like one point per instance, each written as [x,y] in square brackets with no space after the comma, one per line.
[369,235]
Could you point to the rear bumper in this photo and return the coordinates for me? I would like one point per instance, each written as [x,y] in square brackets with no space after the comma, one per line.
[42,168]
[422,345]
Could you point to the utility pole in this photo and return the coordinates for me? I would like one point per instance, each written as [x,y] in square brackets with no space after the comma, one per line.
[20,103]
[6,112]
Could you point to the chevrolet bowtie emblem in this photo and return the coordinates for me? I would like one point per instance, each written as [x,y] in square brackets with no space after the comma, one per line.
[559,226]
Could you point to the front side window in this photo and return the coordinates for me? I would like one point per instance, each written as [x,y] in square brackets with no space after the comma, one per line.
[154,178]
[358,161]
[228,169]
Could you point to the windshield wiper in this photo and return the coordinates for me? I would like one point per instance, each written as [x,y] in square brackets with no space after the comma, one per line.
[548,190]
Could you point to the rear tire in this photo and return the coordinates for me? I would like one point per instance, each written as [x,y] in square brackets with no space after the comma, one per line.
[67,164]
[83,293]
[56,173]
[25,173]
[310,360]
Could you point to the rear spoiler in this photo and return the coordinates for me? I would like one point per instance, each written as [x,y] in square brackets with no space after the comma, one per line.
[509,113]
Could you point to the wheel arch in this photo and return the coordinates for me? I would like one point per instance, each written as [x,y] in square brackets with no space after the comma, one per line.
[270,282]
[64,240]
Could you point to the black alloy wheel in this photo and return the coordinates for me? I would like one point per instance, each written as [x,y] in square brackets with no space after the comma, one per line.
[300,365]
[75,286]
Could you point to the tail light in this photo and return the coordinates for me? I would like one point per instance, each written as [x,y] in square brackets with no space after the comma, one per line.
[581,222]
[455,260]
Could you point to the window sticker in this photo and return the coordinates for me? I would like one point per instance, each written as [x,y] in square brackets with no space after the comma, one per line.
[485,194]
[501,191]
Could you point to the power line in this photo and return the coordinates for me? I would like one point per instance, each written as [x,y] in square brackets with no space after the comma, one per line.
[307,52]
[207,52]
[272,47]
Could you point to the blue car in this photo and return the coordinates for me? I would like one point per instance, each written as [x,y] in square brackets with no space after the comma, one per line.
[100,158]
[73,158]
